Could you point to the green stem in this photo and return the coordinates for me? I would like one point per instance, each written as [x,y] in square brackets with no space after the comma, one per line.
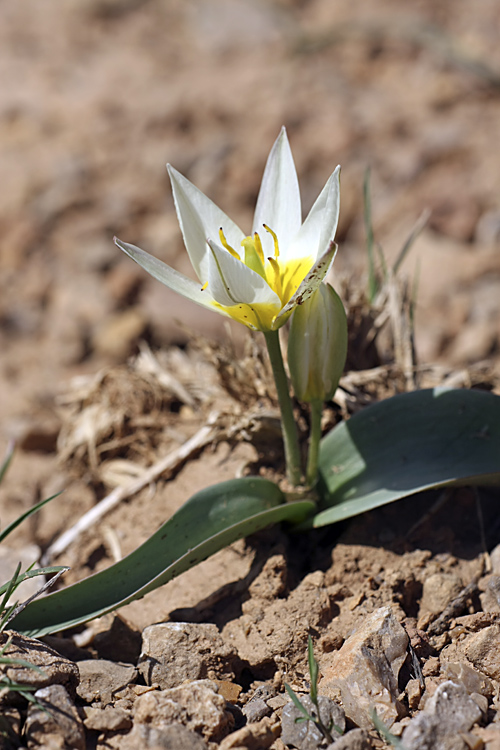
[314,438]
[290,435]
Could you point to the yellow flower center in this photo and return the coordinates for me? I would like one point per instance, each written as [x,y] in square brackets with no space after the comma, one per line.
[283,278]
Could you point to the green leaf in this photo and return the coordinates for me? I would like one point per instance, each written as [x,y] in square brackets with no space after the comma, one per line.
[406,444]
[298,704]
[313,671]
[207,522]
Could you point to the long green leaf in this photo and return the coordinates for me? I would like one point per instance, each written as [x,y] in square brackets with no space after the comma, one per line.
[207,522]
[406,444]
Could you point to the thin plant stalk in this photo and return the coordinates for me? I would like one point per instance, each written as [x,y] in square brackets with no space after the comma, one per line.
[290,434]
[314,440]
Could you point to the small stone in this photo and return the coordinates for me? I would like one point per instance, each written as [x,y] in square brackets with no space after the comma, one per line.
[196,705]
[230,691]
[446,715]
[490,736]
[145,737]
[108,719]
[101,679]
[254,736]
[255,710]
[305,735]
[356,739]
[438,591]
[414,693]
[483,650]
[173,652]
[472,680]
[366,669]
[55,722]
[55,669]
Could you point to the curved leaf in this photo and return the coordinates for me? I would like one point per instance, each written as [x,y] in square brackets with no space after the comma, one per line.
[406,444]
[207,522]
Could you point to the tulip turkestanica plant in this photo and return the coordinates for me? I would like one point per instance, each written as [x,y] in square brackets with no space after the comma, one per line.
[389,450]
[259,279]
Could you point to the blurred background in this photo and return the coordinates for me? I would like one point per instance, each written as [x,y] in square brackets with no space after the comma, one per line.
[97,95]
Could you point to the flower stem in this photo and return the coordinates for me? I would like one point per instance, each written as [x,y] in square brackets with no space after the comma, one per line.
[314,438]
[290,435]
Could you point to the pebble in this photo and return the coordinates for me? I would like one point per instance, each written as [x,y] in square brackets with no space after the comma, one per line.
[482,649]
[449,713]
[54,668]
[145,737]
[365,670]
[196,705]
[254,736]
[356,739]
[108,719]
[173,652]
[255,710]
[55,723]
[305,735]
[101,679]
[438,591]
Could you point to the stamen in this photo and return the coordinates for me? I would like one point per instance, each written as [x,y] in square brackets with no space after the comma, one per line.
[204,286]
[258,247]
[226,244]
[276,284]
[276,246]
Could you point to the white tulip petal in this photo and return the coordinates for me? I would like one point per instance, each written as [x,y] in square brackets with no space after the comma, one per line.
[278,204]
[231,282]
[199,218]
[319,228]
[310,283]
[169,276]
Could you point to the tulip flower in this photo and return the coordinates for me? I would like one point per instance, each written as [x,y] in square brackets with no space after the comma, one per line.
[257,279]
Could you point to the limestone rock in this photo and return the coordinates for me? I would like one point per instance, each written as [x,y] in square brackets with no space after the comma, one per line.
[447,714]
[108,719]
[305,735]
[472,680]
[145,737]
[253,736]
[55,723]
[365,670]
[438,591]
[196,705]
[101,679]
[356,739]
[483,650]
[173,652]
[55,669]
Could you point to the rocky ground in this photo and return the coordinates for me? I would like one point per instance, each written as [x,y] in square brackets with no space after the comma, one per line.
[103,371]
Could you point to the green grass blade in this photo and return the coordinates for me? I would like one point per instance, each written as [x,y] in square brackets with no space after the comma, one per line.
[406,444]
[8,458]
[32,574]
[5,533]
[207,522]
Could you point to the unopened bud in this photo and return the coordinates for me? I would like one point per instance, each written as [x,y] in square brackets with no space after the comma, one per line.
[317,345]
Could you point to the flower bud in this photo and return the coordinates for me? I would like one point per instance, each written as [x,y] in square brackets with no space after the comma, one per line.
[317,345]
